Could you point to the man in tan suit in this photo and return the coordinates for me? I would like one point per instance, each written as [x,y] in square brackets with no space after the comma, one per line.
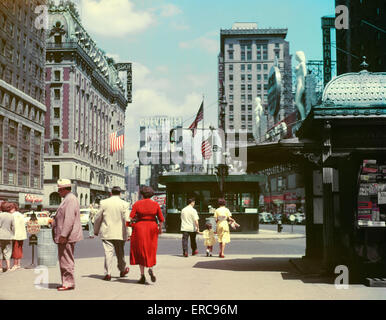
[67,230]
[110,224]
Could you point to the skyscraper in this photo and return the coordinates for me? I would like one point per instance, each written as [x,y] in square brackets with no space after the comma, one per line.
[22,109]
[247,54]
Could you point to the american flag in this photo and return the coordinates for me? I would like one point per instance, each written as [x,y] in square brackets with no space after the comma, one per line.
[116,140]
[199,117]
[206,149]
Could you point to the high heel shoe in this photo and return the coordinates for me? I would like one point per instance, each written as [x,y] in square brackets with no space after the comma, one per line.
[142,280]
[152,276]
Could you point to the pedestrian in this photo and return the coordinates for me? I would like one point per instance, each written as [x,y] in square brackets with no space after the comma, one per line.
[20,236]
[110,225]
[209,239]
[91,220]
[223,216]
[67,230]
[144,238]
[7,233]
[189,227]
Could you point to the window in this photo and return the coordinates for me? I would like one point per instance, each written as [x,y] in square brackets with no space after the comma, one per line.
[249,67]
[258,66]
[249,118]
[259,77]
[231,127]
[231,77]
[249,77]
[243,77]
[55,199]
[57,75]
[265,66]
[231,87]
[36,182]
[25,180]
[243,108]
[243,98]
[242,67]
[56,131]
[230,55]
[231,67]
[11,153]
[231,117]
[265,77]
[243,87]
[57,94]
[231,97]
[249,98]
[55,172]
[230,46]
[231,107]
[37,138]
[249,87]
[12,177]
[57,113]
[249,108]
[249,128]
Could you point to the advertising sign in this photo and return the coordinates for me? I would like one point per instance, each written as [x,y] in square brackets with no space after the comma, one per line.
[274,91]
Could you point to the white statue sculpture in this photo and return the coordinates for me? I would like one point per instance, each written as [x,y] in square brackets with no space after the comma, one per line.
[300,82]
[258,114]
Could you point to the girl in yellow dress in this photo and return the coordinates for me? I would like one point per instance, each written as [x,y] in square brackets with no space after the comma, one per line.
[209,239]
[223,216]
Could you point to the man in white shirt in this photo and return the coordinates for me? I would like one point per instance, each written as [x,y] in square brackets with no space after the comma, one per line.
[189,227]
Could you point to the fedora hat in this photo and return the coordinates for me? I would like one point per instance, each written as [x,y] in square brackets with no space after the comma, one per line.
[64,183]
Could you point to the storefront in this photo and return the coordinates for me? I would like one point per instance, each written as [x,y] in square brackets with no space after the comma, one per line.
[241,194]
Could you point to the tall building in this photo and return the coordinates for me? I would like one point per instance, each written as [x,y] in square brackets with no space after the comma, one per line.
[247,54]
[85,103]
[365,36]
[155,148]
[22,109]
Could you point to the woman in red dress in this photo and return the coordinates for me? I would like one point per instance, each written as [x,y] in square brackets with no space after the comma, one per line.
[144,239]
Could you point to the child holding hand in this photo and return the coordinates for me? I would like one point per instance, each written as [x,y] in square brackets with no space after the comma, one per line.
[209,239]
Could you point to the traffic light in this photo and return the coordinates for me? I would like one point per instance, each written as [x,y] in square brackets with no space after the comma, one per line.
[171,136]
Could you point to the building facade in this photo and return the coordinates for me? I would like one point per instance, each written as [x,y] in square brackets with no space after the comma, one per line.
[247,54]
[85,103]
[22,109]
[365,36]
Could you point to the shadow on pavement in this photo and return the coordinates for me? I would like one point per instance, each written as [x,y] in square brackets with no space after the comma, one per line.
[282,265]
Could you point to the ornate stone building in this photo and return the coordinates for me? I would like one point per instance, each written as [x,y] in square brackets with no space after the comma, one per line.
[85,102]
[22,109]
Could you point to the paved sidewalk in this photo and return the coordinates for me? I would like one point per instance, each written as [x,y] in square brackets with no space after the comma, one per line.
[247,277]
[261,235]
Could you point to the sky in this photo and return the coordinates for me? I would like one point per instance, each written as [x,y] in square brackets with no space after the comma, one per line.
[174,44]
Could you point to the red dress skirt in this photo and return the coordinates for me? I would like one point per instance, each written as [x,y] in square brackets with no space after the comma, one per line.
[144,239]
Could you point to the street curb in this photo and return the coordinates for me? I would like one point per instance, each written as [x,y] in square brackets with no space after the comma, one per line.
[243,237]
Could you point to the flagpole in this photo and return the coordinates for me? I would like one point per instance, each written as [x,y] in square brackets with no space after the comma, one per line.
[203,128]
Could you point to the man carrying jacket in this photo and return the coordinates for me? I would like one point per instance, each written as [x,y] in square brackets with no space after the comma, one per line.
[110,225]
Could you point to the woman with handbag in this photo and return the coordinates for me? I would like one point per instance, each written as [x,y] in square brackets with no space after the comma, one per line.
[223,216]
[144,238]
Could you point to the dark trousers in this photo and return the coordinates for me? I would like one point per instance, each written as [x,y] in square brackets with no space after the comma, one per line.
[185,239]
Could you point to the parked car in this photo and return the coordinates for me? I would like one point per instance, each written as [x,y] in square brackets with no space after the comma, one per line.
[84,217]
[265,217]
[299,218]
[43,217]
[277,217]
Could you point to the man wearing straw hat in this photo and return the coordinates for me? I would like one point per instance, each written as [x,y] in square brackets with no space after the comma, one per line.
[67,230]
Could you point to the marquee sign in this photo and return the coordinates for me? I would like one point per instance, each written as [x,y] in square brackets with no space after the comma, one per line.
[274,91]
[33,198]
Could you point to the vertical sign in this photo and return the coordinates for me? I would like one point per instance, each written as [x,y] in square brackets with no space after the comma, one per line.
[327,24]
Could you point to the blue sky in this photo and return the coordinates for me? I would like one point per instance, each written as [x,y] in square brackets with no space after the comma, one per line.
[174,44]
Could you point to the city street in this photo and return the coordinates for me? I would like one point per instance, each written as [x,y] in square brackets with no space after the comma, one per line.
[252,269]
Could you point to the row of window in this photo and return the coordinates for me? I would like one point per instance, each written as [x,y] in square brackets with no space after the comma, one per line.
[249,67]
[11,179]
[248,56]
[243,127]
[249,87]
[248,77]
[243,98]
